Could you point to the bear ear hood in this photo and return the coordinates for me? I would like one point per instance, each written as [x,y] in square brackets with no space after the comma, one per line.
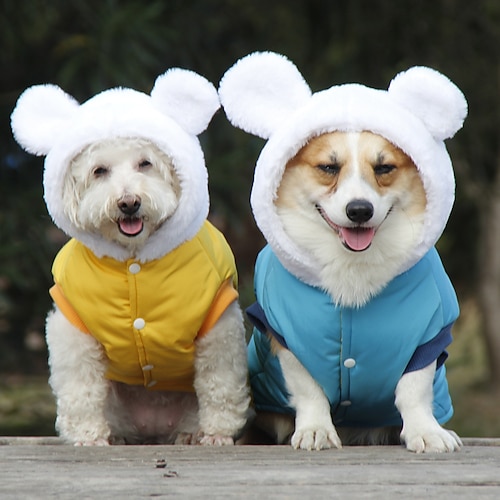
[261,91]
[49,122]
[265,95]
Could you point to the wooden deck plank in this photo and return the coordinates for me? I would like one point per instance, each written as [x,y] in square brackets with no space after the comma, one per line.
[43,468]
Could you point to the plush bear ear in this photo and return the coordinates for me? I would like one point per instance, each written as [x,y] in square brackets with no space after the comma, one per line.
[187,98]
[260,91]
[40,115]
[433,98]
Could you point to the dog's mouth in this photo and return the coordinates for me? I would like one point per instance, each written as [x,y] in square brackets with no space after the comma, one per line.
[130,226]
[356,239]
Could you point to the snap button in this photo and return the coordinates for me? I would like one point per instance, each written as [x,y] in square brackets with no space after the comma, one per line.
[147,368]
[139,323]
[152,383]
[345,403]
[349,363]
[134,268]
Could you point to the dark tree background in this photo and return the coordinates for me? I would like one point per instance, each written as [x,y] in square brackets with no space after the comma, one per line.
[86,46]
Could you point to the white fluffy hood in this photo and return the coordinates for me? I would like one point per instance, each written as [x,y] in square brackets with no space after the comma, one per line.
[265,95]
[48,122]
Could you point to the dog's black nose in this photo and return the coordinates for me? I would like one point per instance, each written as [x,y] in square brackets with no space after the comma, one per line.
[359,211]
[129,204]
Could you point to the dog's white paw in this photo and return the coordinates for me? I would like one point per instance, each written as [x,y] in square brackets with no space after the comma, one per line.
[431,439]
[94,442]
[216,440]
[321,438]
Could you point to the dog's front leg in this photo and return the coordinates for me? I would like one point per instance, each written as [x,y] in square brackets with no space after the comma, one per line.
[421,431]
[221,379]
[314,428]
[77,378]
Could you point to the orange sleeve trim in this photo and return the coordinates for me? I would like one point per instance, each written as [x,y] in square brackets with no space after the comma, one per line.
[226,295]
[66,308]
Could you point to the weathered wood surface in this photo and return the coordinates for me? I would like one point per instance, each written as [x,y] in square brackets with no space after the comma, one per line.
[43,468]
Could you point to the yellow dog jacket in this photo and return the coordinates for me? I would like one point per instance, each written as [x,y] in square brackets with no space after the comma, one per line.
[148,315]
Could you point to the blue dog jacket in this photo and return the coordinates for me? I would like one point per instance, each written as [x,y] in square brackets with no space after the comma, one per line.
[357,355]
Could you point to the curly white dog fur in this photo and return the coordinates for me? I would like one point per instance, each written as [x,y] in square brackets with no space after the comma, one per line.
[125,177]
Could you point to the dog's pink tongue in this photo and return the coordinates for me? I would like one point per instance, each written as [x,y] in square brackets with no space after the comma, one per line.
[357,238]
[130,226]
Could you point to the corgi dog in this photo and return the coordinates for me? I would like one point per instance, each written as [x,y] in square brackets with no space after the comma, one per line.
[354,309]
[356,203]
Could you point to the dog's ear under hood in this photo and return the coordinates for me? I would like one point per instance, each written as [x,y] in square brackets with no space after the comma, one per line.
[265,95]
[48,122]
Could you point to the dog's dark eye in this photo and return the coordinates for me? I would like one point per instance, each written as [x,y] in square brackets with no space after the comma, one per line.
[144,164]
[383,169]
[329,168]
[99,171]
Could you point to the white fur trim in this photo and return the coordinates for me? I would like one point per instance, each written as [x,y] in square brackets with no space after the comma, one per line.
[415,125]
[183,104]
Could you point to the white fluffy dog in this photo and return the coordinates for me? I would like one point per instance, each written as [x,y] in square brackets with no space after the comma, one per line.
[146,340]
[354,308]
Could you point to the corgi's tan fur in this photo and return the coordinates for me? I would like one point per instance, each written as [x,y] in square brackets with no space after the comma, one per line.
[327,175]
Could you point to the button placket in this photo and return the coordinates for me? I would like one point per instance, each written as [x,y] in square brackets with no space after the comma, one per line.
[346,363]
[349,363]
[139,323]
